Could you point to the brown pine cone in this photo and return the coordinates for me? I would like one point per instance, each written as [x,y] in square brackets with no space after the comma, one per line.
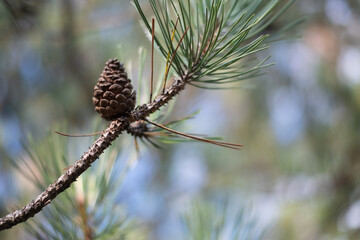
[113,95]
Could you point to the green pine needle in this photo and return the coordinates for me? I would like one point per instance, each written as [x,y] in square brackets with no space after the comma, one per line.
[93,194]
[220,220]
[223,35]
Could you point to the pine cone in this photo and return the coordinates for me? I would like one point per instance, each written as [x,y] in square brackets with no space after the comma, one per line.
[113,95]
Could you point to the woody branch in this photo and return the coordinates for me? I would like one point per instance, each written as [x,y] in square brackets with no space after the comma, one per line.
[116,128]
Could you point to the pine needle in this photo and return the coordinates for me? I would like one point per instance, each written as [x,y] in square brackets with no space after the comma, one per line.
[172,58]
[152,59]
[80,135]
[168,55]
[218,143]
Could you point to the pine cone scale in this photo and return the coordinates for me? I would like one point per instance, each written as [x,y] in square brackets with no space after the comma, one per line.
[120,98]
[116,88]
[109,95]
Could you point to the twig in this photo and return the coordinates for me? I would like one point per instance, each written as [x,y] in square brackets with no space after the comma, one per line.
[115,128]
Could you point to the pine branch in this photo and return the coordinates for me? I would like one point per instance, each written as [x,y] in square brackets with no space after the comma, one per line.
[210,54]
[115,128]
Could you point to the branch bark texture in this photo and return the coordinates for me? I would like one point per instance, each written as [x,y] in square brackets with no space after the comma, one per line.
[115,128]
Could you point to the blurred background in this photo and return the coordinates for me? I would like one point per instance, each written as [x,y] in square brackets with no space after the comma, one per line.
[300,123]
